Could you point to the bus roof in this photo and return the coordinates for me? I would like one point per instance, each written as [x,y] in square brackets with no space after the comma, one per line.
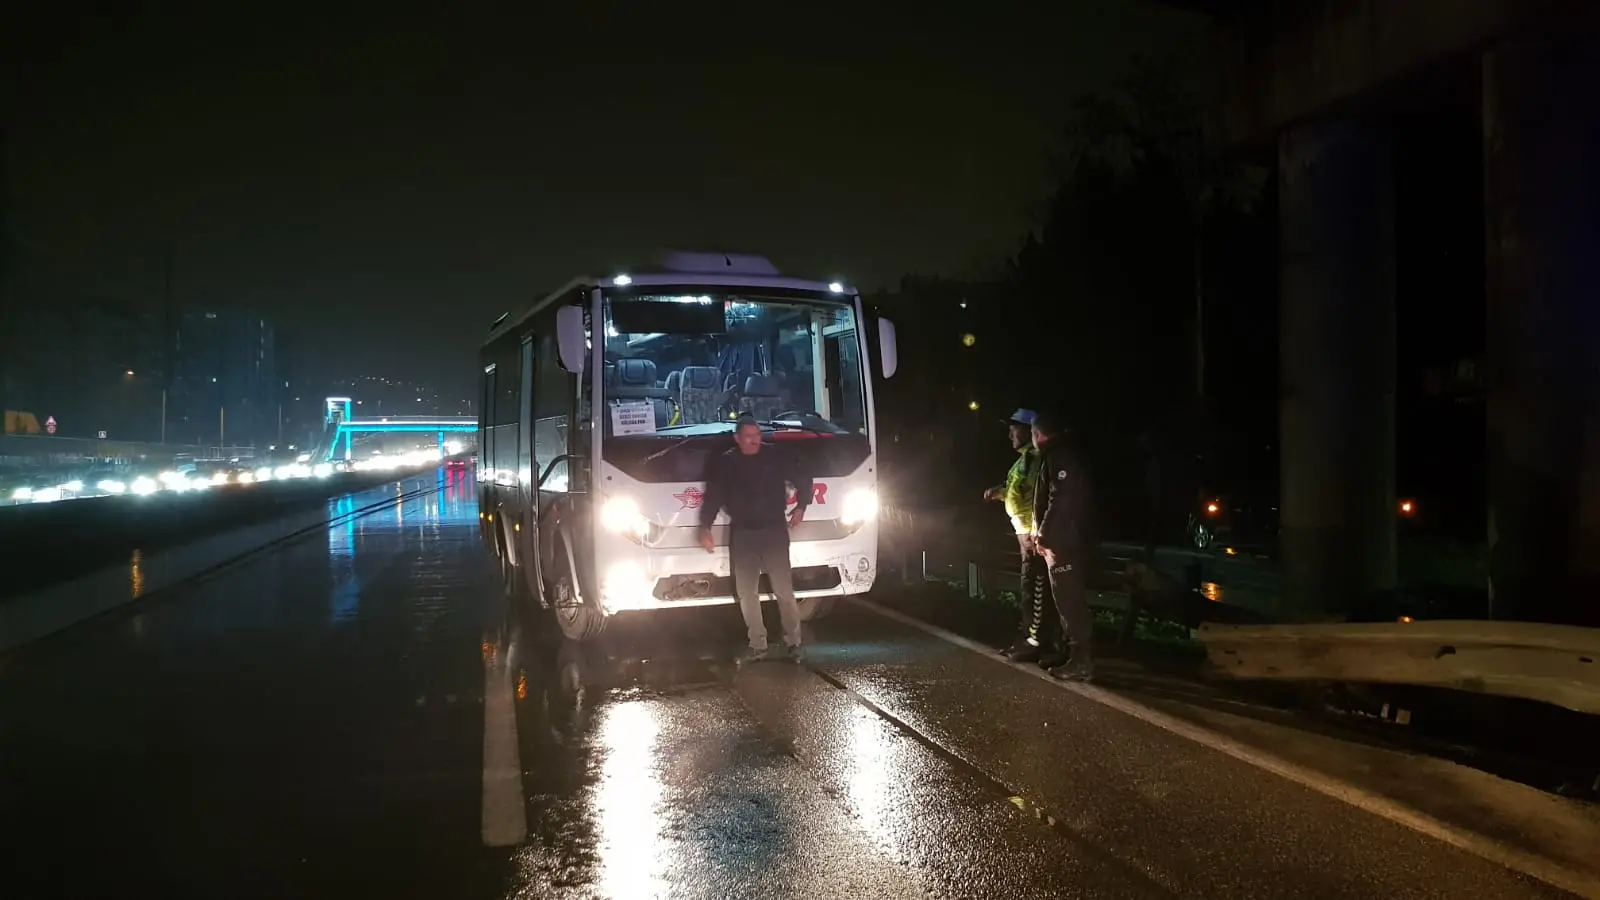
[707,269]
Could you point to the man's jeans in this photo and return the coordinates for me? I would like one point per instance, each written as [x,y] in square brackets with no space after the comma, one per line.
[751,552]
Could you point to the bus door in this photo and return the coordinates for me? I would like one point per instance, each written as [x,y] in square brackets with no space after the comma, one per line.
[527,473]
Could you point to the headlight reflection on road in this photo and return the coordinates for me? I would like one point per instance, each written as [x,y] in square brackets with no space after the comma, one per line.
[628,803]
[873,756]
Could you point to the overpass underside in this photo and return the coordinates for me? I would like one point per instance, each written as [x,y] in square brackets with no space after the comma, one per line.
[339,443]
[1316,86]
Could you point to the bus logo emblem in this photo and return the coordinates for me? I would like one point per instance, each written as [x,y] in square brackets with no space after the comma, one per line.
[690,498]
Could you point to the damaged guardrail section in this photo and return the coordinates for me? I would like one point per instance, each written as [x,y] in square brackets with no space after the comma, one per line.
[1557,664]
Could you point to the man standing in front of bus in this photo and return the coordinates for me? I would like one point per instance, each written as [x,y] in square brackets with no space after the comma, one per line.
[752,484]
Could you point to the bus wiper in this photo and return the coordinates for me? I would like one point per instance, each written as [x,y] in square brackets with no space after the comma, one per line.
[796,426]
[679,443]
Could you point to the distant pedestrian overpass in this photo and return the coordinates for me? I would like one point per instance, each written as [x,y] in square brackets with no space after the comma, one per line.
[346,430]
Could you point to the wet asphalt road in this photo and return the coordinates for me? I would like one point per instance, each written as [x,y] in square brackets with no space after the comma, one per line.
[349,717]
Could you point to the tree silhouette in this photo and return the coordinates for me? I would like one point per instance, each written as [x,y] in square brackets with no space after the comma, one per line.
[1150,120]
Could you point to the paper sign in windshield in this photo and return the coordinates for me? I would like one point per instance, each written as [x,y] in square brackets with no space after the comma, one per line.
[633,417]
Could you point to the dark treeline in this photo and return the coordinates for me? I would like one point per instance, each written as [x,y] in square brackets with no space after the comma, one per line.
[1094,316]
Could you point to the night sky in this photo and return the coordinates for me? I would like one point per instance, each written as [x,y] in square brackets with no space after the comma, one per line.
[389,184]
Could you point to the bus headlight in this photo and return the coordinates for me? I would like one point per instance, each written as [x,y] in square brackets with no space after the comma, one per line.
[621,515]
[860,506]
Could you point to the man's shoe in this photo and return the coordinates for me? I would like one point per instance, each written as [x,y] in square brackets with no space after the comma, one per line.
[797,654]
[1021,652]
[1073,672]
[1054,659]
[752,655]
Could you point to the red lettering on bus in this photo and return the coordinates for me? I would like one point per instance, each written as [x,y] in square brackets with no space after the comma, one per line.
[819,494]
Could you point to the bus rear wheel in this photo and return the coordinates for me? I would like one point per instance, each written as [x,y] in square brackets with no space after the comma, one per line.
[578,621]
[813,608]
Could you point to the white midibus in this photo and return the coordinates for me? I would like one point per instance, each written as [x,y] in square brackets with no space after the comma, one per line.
[603,403]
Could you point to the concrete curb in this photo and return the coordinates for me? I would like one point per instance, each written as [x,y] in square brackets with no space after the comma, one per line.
[44,612]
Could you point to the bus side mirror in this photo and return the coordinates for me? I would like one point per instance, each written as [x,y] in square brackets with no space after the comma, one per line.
[570,339]
[887,349]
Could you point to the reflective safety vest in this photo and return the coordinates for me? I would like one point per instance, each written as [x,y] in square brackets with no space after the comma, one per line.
[1019,489]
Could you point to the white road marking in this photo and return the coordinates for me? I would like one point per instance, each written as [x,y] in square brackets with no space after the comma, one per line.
[505,816]
[1546,870]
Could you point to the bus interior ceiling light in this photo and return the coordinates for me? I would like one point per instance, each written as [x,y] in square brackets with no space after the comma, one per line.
[622,281]
[836,287]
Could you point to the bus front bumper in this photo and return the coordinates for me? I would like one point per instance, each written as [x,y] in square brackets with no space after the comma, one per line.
[662,580]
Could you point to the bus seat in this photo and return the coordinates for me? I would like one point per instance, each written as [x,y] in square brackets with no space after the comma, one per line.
[761,397]
[730,395]
[700,398]
[634,376]
[674,379]
[636,380]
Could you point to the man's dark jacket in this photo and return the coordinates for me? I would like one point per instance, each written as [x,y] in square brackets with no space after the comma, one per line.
[1063,502]
[754,489]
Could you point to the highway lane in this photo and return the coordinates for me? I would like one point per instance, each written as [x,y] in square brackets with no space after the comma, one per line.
[107,530]
[355,715]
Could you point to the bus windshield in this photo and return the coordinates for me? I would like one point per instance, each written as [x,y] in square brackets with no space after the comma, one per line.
[686,364]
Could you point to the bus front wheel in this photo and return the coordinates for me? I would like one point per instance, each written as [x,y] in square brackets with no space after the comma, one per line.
[578,620]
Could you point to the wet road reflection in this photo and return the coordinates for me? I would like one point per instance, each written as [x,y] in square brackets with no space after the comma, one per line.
[628,801]
[287,727]
[873,761]
[325,721]
[901,765]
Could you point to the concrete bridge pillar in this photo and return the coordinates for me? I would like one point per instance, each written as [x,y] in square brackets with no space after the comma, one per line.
[1541,142]
[1337,362]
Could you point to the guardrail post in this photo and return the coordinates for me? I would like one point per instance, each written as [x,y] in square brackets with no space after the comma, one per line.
[974,582]
[924,564]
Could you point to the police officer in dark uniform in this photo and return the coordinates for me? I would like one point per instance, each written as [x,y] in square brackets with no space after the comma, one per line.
[1063,533]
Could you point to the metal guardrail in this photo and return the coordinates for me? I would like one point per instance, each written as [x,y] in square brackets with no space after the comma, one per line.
[1556,664]
[986,562]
